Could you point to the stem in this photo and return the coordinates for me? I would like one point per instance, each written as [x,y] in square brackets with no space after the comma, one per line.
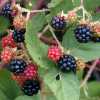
[83,13]
[89,73]
[53,34]
[48,40]
[37,11]
[32,11]
[44,30]
[82,3]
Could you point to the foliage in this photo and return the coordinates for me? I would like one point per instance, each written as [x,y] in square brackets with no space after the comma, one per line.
[68,85]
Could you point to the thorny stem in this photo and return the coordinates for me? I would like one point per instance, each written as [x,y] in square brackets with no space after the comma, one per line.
[89,73]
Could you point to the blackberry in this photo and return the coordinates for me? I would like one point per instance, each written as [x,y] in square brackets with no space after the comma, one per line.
[96,39]
[17,66]
[6,10]
[67,63]
[18,36]
[31,87]
[58,23]
[83,34]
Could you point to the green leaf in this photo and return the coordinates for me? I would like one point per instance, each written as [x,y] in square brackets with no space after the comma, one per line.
[91,6]
[87,51]
[24,97]
[35,47]
[7,85]
[54,3]
[3,96]
[93,89]
[4,24]
[76,2]
[66,87]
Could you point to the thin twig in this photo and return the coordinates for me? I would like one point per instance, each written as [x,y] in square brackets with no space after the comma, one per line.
[48,40]
[82,3]
[89,73]
[43,32]
[53,34]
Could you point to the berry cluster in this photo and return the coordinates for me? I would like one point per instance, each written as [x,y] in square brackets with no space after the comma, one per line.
[84,32]
[26,76]
[14,56]
[65,62]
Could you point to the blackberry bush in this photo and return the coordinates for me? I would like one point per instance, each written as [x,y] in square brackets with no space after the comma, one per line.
[53,77]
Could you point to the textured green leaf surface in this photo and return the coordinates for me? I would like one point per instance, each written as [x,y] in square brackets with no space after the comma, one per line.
[93,91]
[67,88]
[4,24]
[3,96]
[91,6]
[8,86]
[54,3]
[24,97]
[87,51]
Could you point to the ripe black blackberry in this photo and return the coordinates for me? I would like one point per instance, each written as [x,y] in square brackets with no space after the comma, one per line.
[67,63]
[18,36]
[31,87]
[83,33]
[17,66]
[6,10]
[96,39]
[58,23]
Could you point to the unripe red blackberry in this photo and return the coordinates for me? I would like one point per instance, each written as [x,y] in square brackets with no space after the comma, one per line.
[31,71]
[54,53]
[20,79]
[19,22]
[8,41]
[6,55]
[72,17]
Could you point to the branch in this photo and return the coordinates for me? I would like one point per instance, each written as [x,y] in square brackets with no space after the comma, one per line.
[89,73]
[48,40]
